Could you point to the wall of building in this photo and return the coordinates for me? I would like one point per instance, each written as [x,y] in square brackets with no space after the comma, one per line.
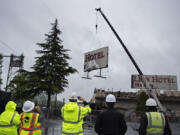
[126,101]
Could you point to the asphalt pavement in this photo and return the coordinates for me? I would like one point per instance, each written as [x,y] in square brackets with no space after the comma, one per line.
[54,128]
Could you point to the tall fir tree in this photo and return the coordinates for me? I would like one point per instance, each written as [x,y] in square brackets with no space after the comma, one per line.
[51,67]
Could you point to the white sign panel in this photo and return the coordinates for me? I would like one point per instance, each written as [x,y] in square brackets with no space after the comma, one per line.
[164,82]
[96,59]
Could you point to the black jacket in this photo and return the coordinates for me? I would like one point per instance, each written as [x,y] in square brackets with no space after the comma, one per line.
[110,122]
[144,123]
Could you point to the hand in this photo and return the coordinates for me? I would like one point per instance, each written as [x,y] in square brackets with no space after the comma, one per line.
[81,98]
[37,108]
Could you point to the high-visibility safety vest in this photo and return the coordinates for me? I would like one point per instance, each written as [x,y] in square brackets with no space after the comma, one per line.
[156,123]
[73,115]
[9,120]
[29,124]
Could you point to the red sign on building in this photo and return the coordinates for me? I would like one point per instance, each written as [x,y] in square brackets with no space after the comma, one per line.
[164,82]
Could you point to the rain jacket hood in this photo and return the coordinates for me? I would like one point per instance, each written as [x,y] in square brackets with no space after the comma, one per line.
[10,106]
[11,118]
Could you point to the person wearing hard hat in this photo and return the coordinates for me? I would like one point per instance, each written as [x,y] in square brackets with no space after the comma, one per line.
[30,119]
[73,114]
[110,121]
[9,120]
[153,122]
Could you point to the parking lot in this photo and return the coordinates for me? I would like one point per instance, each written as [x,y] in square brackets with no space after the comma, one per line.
[54,128]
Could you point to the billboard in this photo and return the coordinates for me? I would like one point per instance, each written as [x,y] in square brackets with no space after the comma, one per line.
[16,61]
[164,82]
[96,59]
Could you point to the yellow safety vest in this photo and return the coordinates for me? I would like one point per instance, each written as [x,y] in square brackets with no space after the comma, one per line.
[156,123]
[29,124]
[73,115]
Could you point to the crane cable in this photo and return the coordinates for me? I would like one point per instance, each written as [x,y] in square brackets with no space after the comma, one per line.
[96,26]
[7,46]
[98,40]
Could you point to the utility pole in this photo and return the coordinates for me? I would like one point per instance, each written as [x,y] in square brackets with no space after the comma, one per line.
[1,57]
[150,92]
[15,62]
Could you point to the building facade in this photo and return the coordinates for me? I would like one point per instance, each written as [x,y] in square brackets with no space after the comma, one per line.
[126,101]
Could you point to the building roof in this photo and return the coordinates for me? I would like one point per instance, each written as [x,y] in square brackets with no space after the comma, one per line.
[168,94]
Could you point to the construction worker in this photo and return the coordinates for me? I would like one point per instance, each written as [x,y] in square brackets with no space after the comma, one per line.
[9,120]
[153,122]
[30,119]
[73,115]
[110,121]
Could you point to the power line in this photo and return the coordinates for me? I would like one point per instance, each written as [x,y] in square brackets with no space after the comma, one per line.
[6,45]
[48,9]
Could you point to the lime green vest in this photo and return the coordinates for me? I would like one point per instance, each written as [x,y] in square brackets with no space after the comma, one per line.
[29,124]
[73,115]
[156,123]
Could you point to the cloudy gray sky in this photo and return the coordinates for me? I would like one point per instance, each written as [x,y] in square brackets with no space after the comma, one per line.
[150,30]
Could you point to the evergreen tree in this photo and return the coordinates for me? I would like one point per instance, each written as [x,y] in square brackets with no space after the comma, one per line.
[20,87]
[51,67]
[141,100]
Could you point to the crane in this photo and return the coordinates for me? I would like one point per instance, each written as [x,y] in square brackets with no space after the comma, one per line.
[151,93]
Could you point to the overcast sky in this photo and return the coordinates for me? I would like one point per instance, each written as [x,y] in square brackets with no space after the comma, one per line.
[150,30]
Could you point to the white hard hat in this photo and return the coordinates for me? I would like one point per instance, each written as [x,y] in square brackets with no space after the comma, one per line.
[28,106]
[73,96]
[110,98]
[151,102]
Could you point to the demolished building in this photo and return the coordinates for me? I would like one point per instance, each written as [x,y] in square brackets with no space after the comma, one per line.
[126,101]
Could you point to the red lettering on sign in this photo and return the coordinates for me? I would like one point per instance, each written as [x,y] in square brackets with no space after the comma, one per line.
[134,78]
[163,80]
[154,79]
[137,84]
[98,55]
[171,80]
